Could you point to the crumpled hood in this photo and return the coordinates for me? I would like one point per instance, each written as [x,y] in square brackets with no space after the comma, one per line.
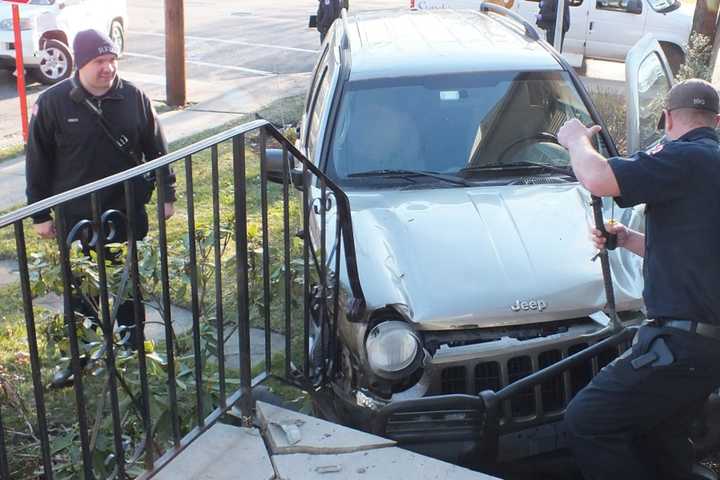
[486,256]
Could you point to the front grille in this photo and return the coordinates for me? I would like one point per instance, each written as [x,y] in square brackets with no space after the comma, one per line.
[550,397]
[453,380]
[523,404]
[580,375]
[553,394]
[487,377]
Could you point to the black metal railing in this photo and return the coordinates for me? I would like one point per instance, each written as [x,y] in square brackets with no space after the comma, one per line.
[145,270]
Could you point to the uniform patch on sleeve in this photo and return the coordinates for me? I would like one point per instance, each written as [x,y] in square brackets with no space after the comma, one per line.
[656,149]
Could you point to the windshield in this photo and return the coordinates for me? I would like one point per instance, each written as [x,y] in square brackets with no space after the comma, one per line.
[461,124]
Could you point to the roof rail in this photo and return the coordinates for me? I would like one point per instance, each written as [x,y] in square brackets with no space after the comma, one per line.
[530,29]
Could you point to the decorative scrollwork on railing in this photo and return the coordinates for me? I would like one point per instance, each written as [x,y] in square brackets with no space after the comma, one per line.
[87,233]
[327,203]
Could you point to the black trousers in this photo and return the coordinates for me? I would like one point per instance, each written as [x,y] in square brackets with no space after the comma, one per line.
[126,310]
[632,421]
[550,37]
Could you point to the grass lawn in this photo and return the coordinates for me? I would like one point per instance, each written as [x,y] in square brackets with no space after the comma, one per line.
[16,399]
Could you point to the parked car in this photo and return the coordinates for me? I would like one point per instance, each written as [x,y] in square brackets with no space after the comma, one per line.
[470,230]
[606,29]
[49,28]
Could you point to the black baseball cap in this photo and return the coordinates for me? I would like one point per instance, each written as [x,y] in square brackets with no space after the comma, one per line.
[693,93]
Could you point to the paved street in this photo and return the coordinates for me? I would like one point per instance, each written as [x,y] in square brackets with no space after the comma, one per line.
[227,44]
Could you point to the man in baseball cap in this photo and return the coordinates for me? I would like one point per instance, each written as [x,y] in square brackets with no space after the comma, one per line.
[696,95]
[632,420]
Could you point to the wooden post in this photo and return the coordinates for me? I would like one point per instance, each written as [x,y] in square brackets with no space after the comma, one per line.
[176,91]
[705,18]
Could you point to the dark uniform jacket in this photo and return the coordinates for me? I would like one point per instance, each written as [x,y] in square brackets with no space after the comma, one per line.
[548,15]
[67,147]
[680,184]
[328,11]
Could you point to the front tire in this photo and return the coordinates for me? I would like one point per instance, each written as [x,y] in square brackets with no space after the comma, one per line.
[56,63]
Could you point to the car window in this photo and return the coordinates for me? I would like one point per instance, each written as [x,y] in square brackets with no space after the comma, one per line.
[450,122]
[626,6]
[652,88]
[316,76]
[317,111]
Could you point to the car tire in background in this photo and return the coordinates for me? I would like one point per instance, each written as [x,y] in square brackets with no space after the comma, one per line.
[117,34]
[56,63]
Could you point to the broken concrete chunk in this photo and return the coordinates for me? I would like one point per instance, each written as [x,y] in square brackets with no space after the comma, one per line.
[312,435]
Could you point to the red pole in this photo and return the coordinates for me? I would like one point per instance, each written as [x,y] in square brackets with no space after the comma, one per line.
[20,70]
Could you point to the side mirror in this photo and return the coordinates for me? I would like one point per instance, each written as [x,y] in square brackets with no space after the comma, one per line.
[274,167]
[312,21]
[634,6]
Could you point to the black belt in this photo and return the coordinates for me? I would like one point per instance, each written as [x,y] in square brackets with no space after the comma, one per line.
[700,328]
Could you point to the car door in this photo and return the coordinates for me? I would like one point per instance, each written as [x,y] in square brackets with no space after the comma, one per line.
[649,78]
[614,26]
[575,37]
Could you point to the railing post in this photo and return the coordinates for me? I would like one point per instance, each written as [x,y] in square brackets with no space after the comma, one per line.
[265,248]
[167,317]
[219,317]
[139,315]
[70,324]
[286,246]
[194,297]
[241,250]
[33,347]
[4,467]
[107,330]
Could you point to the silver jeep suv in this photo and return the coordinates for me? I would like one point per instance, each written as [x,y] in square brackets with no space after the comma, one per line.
[470,230]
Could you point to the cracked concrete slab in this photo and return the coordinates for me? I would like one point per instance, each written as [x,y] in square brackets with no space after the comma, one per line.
[381,464]
[290,432]
[223,452]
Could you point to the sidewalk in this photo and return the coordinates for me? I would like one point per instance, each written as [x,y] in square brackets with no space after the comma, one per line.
[252,95]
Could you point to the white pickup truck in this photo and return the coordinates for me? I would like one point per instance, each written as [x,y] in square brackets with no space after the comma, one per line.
[605,29]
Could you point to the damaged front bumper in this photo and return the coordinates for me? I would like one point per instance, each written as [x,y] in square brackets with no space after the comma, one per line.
[481,419]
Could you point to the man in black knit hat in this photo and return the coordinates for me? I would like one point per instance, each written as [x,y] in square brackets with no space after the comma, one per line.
[89,127]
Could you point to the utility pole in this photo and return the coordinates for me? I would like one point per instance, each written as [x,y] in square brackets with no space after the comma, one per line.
[705,18]
[176,91]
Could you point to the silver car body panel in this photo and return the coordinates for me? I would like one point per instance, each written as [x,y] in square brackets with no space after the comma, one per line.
[460,258]
[400,43]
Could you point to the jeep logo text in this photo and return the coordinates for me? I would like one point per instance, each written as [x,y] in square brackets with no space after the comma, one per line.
[525,306]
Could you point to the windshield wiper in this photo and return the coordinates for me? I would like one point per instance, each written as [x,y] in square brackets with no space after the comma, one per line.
[515,165]
[411,173]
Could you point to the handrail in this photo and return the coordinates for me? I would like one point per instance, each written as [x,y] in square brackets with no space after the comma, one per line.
[530,29]
[130,173]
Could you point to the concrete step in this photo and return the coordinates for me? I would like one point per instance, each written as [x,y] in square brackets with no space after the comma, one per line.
[381,464]
[223,452]
[307,448]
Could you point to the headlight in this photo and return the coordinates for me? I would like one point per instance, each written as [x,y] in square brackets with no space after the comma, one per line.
[25,24]
[392,348]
